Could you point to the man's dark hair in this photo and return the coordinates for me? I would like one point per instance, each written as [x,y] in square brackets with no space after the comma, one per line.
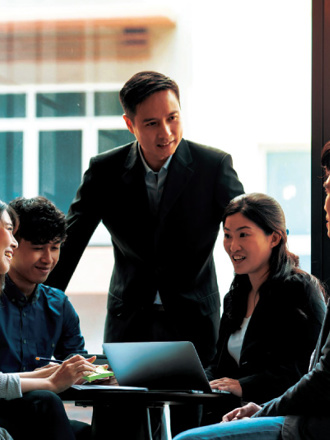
[141,86]
[40,222]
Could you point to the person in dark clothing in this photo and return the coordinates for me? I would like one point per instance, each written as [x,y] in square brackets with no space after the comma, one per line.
[302,411]
[273,312]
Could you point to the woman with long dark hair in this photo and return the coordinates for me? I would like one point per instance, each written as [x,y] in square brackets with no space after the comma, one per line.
[40,414]
[273,312]
[8,223]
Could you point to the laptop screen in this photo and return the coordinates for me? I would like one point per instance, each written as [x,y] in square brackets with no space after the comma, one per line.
[157,365]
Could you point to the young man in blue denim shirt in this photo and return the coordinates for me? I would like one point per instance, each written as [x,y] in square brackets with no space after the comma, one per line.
[36,320]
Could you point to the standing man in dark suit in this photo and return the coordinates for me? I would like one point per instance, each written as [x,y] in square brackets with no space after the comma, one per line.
[303,411]
[161,199]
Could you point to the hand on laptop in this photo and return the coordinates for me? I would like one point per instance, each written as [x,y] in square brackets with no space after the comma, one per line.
[107,381]
[227,384]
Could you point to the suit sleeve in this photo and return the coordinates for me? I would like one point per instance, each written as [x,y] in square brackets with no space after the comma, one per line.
[212,369]
[83,217]
[229,185]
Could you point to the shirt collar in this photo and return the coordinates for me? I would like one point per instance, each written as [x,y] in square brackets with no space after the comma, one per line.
[16,296]
[146,166]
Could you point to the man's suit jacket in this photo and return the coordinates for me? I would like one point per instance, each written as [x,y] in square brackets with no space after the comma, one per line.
[306,405]
[171,252]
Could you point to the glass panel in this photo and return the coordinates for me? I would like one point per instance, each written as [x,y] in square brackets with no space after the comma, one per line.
[59,166]
[289,182]
[11,165]
[107,104]
[61,104]
[12,106]
[109,139]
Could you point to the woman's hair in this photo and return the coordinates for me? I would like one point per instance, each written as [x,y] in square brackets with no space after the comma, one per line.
[268,215]
[13,216]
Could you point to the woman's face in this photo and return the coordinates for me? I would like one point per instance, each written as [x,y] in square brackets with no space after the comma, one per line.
[247,245]
[7,242]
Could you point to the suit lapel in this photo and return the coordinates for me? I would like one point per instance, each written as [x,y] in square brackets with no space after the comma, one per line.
[179,173]
[133,165]
[133,178]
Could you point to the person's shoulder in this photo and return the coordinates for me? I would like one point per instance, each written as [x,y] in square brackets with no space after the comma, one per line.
[52,293]
[109,163]
[206,158]
[206,150]
[299,278]
[299,286]
[113,154]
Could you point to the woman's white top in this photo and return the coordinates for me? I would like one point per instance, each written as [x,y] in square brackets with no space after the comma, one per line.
[235,340]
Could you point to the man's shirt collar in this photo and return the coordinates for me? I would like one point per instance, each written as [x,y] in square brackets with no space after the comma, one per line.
[146,166]
[16,296]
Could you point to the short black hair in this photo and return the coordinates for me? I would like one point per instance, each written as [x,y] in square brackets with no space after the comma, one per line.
[40,221]
[141,86]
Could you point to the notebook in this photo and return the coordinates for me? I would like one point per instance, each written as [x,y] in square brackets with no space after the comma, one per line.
[166,366]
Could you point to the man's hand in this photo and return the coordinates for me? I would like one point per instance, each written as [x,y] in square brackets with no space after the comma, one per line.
[45,371]
[241,413]
[70,372]
[227,384]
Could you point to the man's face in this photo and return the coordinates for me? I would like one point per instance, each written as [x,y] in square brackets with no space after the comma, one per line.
[157,127]
[32,263]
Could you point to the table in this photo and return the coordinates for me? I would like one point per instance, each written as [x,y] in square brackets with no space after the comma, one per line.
[124,414]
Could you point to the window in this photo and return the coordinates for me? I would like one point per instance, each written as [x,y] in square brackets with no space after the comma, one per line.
[59,166]
[57,130]
[60,104]
[289,182]
[12,106]
[107,104]
[11,159]
[109,139]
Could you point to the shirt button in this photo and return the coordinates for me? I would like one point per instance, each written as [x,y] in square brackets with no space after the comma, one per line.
[24,368]
[53,345]
[24,341]
[24,314]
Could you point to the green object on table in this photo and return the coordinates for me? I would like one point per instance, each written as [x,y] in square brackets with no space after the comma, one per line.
[99,373]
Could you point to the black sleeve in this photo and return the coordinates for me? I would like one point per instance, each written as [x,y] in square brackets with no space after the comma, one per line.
[83,218]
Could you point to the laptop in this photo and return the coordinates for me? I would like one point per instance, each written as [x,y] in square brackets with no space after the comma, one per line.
[166,366]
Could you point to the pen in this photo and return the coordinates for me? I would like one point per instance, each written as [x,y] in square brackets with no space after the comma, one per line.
[48,360]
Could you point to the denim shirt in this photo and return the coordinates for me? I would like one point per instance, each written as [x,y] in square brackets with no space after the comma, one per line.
[45,325]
